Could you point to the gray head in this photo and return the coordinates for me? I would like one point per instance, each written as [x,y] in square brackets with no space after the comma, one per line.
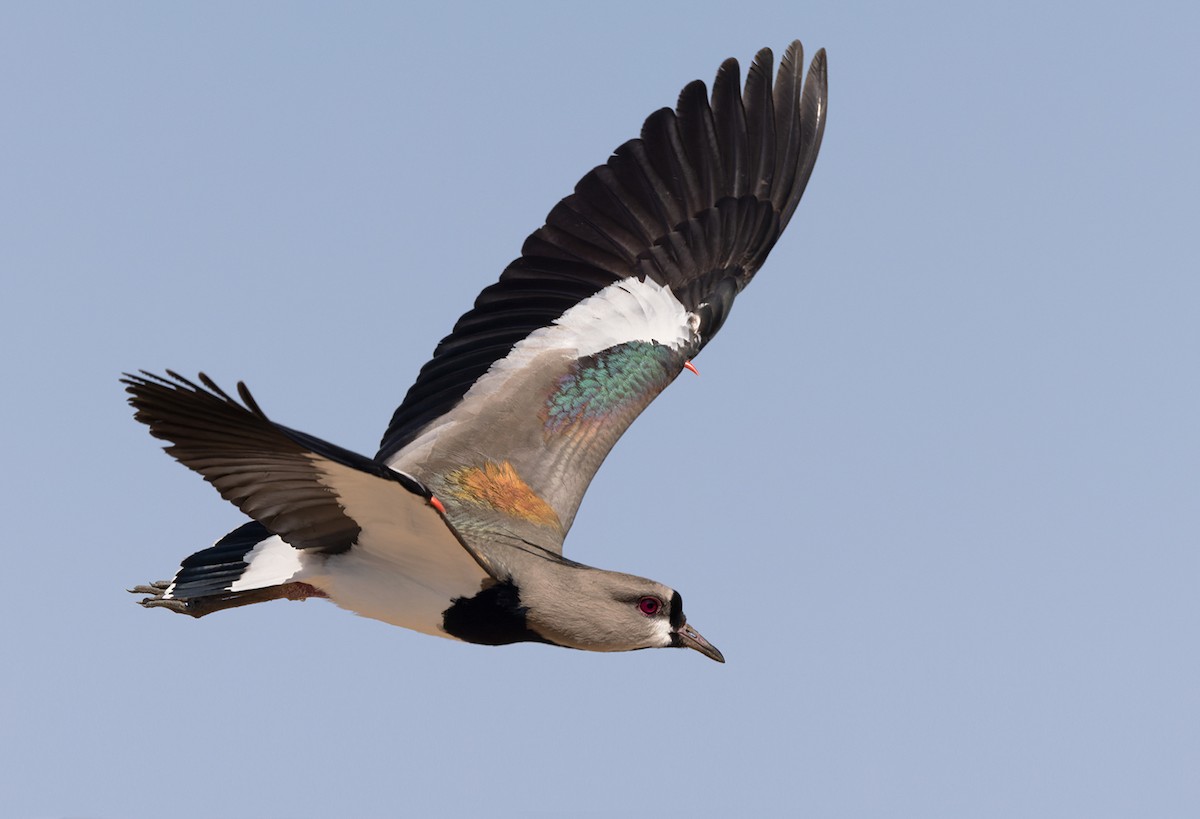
[596,610]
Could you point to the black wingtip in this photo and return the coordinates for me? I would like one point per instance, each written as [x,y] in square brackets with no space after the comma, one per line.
[141,384]
[731,71]
[820,67]
[763,60]
[248,400]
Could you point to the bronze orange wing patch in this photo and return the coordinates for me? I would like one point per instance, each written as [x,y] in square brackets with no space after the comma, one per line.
[499,487]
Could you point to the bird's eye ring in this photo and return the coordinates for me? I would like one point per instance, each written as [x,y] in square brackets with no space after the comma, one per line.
[649,606]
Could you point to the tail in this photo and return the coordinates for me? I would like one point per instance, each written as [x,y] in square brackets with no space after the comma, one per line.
[248,565]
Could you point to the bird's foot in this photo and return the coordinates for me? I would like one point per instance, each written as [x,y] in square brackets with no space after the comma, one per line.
[156,590]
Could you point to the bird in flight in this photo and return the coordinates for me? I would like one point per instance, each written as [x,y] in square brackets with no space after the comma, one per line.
[455,527]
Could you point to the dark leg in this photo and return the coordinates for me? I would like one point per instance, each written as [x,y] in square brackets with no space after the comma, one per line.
[200,606]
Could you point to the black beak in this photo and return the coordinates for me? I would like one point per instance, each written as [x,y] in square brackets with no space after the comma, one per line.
[688,637]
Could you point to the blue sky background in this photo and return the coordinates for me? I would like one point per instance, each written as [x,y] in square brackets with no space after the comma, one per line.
[934,494]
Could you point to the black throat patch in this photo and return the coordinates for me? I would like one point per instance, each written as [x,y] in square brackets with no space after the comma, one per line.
[494,617]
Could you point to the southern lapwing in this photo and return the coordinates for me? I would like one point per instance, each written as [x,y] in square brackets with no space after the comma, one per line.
[455,527]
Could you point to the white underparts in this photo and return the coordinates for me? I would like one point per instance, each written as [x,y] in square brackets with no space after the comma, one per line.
[406,565]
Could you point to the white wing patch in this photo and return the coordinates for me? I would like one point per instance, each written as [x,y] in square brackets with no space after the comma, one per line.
[625,311]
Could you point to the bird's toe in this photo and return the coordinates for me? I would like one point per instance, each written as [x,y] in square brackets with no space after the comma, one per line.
[178,606]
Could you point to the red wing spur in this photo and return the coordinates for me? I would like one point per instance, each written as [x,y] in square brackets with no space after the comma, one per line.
[455,528]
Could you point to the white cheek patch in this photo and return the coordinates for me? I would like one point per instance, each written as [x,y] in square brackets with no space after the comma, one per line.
[662,629]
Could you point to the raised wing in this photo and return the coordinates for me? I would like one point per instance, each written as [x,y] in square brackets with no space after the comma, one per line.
[628,279]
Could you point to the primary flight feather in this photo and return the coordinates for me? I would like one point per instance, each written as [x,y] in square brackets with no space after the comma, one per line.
[455,527]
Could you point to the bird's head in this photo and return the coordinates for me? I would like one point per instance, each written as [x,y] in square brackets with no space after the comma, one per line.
[598,610]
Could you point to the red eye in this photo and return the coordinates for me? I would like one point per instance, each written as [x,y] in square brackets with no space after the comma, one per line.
[649,606]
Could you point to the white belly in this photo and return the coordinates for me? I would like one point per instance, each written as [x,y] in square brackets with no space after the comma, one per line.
[374,586]
[406,568]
